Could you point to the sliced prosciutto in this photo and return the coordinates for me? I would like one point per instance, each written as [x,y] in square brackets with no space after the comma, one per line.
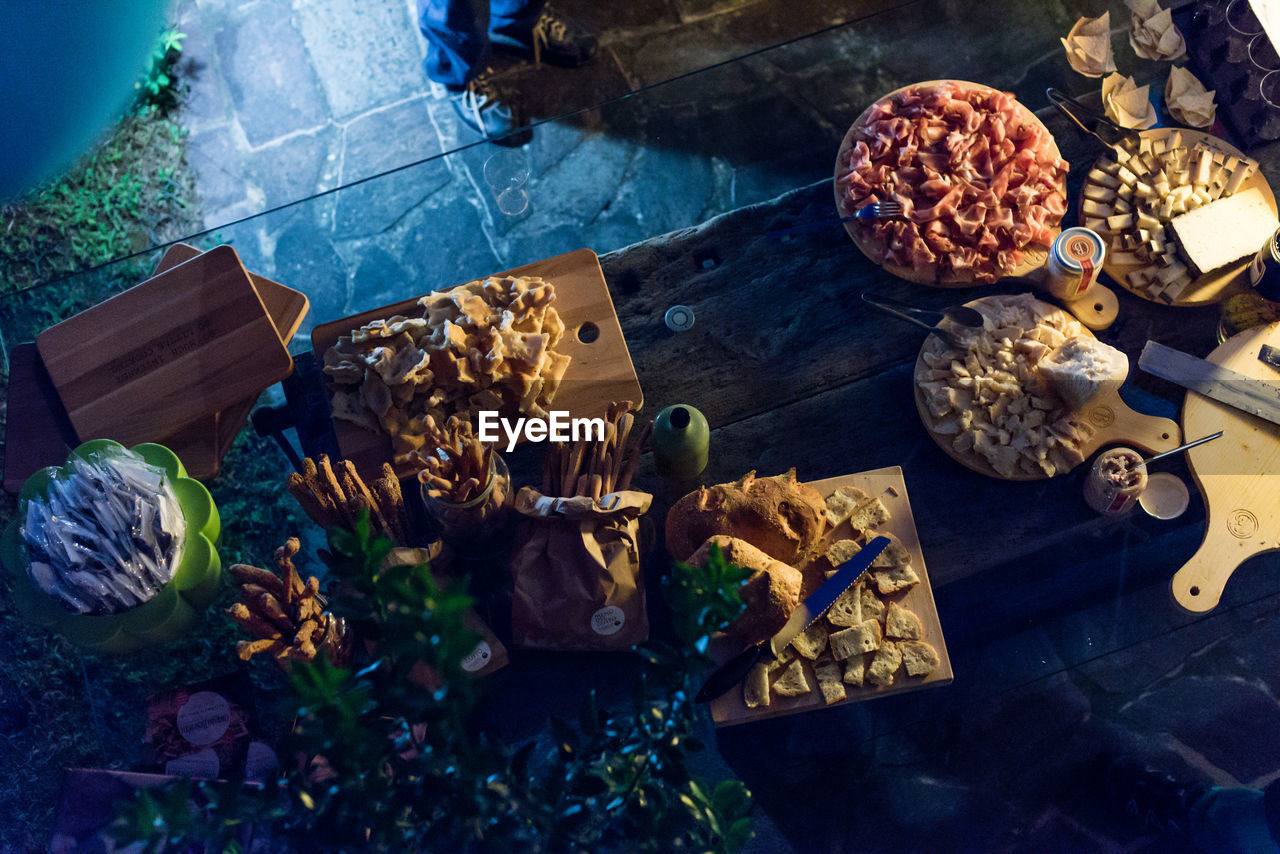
[979,181]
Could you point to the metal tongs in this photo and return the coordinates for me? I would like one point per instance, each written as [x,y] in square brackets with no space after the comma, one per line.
[1100,128]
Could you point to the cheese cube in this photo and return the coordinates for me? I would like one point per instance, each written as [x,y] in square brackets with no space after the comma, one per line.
[1095,223]
[1126,175]
[1238,176]
[1124,220]
[1138,278]
[1090,207]
[1121,206]
[1147,221]
[1124,258]
[1175,288]
[1224,231]
[1172,272]
[1099,193]
[1201,163]
[1102,179]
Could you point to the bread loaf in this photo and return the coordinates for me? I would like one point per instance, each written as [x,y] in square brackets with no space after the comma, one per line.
[771,593]
[778,515]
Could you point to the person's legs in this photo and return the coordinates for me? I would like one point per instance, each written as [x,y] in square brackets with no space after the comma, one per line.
[514,19]
[535,28]
[457,39]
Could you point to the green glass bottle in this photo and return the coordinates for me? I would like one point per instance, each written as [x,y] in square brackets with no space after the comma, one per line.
[680,441]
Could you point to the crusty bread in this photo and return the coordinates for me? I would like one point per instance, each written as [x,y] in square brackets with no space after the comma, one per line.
[856,640]
[771,593]
[792,682]
[778,515]
[919,658]
[844,611]
[812,641]
[829,681]
[842,503]
[755,688]
[855,670]
[895,578]
[902,623]
[841,551]
[886,663]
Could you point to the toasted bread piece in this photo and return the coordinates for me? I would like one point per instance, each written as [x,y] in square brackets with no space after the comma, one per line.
[886,663]
[842,503]
[902,623]
[869,514]
[812,641]
[855,669]
[872,607]
[792,682]
[844,611]
[856,640]
[829,681]
[894,554]
[755,688]
[895,578]
[919,658]
[841,551]
[784,658]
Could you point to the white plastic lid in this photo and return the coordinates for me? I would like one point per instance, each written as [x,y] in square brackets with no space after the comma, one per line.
[1166,496]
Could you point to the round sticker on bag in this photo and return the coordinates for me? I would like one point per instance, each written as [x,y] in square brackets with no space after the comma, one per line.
[204,718]
[608,620]
[478,657]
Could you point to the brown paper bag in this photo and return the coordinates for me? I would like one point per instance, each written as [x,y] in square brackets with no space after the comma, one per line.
[576,569]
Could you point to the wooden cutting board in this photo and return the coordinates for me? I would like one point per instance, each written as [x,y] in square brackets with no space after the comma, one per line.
[1113,421]
[202,444]
[888,485]
[600,371]
[1215,286]
[168,352]
[1034,258]
[1238,477]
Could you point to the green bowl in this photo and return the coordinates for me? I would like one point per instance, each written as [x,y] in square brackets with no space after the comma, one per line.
[162,618]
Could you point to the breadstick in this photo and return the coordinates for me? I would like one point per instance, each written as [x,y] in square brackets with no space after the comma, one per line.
[582,485]
[245,650]
[624,433]
[245,574]
[596,485]
[252,622]
[352,482]
[634,461]
[575,466]
[328,484]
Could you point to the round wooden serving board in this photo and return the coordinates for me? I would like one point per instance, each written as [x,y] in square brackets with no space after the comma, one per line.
[1034,258]
[1113,421]
[1238,476]
[1214,287]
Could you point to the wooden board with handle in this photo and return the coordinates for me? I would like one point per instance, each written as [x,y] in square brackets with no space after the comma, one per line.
[1034,257]
[202,444]
[170,351]
[600,371]
[1214,286]
[1112,420]
[1238,476]
[888,485]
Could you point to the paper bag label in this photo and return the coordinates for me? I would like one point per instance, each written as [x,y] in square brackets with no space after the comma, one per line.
[478,657]
[204,718]
[608,620]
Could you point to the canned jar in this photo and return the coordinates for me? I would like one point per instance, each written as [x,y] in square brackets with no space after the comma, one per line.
[1115,482]
[480,520]
[1075,259]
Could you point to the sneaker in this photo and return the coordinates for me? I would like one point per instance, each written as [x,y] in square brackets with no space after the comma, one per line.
[1155,800]
[555,38]
[485,108]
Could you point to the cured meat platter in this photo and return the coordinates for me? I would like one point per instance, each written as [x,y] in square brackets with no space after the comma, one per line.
[963,199]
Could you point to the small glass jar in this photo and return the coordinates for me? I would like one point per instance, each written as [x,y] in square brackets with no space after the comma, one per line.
[480,520]
[1115,482]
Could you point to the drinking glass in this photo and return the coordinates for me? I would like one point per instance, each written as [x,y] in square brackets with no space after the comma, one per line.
[507,173]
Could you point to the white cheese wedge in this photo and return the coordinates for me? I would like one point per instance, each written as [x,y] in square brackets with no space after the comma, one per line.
[1099,193]
[1126,175]
[1123,220]
[1124,258]
[1138,278]
[1201,163]
[1238,176]
[1103,179]
[1147,221]
[1081,368]
[1174,289]
[1091,207]
[1095,223]
[1175,270]
[1224,231]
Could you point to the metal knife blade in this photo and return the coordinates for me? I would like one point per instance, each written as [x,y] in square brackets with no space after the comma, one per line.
[1248,394]
[813,607]
[1269,355]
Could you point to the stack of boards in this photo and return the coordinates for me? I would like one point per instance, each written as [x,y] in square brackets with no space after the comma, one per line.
[1174,211]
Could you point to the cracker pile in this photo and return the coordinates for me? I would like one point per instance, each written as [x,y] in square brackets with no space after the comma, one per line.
[334,499]
[285,615]
[485,345]
[456,465]
[593,468]
[990,396]
[867,638]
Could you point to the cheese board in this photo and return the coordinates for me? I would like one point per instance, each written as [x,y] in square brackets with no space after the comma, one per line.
[1238,477]
[1207,289]
[1034,257]
[888,485]
[189,342]
[1108,418]
[202,444]
[600,371]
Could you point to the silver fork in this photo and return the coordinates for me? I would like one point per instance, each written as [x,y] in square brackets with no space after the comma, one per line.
[875,210]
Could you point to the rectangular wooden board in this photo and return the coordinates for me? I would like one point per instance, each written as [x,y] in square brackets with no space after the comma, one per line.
[37,432]
[202,444]
[883,484]
[600,371]
[170,351]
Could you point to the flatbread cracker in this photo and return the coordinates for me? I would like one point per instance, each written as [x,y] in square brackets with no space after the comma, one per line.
[841,551]
[855,670]
[842,502]
[895,578]
[792,682]
[920,658]
[902,623]
[856,640]
[886,663]
[869,514]
[812,641]
[830,681]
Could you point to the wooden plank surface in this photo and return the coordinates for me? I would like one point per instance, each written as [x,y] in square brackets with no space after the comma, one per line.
[888,485]
[37,431]
[178,347]
[600,372]
[1238,476]
[201,445]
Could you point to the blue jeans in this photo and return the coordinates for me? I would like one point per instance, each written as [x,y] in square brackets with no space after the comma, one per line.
[457,33]
[1232,821]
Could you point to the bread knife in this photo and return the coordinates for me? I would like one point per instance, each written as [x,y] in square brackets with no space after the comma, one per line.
[804,615]
[1254,396]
